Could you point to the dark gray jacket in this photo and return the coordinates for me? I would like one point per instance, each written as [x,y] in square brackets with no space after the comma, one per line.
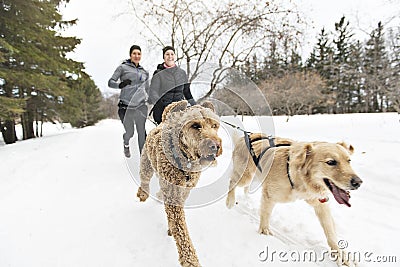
[136,93]
[169,85]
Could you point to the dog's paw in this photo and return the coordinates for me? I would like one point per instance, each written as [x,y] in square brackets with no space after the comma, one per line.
[343,259]
[346,263]
[230,202]
[264,231]
[191,263]
[142,194]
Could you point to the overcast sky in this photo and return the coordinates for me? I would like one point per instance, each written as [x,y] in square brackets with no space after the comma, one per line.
[106,36]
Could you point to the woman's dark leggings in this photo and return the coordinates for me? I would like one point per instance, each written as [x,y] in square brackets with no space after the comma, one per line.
[129,117]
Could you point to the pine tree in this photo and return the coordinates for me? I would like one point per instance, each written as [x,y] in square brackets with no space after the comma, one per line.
[272,62]
[296,62]
[33,59]
[394,79]
[355,74]
[250,68]
[321,60]
[291,60]
[82,107]
[322,56]
[340,80]
[376,70]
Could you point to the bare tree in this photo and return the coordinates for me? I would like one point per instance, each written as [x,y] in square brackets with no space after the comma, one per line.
[294,93]
[224,32]
[241,95]
[109,106]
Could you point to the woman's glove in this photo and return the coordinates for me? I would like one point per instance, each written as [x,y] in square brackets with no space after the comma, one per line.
[124,83]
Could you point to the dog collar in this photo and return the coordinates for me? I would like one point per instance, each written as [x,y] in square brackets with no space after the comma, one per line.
[187,177]
[178,160]
[323,200]
[176,155]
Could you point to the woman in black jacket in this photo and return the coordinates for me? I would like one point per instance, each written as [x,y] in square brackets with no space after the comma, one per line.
[169,84]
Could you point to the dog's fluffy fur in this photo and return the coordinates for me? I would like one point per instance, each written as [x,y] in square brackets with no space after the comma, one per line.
[177,150]
[315,168]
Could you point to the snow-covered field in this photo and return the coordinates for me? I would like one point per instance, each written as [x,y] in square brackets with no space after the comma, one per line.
[68,199]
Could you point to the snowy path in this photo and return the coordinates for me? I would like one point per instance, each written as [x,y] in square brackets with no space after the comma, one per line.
[69,200]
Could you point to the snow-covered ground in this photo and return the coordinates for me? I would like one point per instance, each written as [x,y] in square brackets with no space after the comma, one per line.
[68,199]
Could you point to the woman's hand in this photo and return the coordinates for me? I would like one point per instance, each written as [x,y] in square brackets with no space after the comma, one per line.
[124,83]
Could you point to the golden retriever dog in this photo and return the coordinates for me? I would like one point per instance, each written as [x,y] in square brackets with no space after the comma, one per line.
[308,171]
[177,150]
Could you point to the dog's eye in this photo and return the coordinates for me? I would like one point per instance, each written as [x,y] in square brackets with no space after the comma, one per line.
[331,162]
[196,126]
[214,126]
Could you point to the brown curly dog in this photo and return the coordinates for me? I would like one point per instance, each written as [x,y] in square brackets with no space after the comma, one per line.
[178,149]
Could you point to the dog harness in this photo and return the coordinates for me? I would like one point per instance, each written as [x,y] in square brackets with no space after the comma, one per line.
[249,145]
[288,173]
[272,144]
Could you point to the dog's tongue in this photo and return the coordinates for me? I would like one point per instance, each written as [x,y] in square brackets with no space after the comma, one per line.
[341,196]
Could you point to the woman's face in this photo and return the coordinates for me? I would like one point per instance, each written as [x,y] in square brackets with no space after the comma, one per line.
[136,55]
[169,58]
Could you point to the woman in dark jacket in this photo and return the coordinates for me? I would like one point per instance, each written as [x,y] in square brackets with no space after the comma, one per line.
[169,84]
[133,81]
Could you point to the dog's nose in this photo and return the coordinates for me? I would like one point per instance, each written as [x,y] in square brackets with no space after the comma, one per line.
[355,182]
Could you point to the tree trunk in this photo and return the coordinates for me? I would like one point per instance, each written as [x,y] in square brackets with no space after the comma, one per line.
[27,125]
[8,131]
[36,123]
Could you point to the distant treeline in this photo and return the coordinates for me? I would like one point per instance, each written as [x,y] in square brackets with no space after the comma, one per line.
[341,75]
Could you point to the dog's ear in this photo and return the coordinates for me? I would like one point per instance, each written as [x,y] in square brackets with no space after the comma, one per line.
[174,107]
[208,104]
[301,154]
[348,147]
